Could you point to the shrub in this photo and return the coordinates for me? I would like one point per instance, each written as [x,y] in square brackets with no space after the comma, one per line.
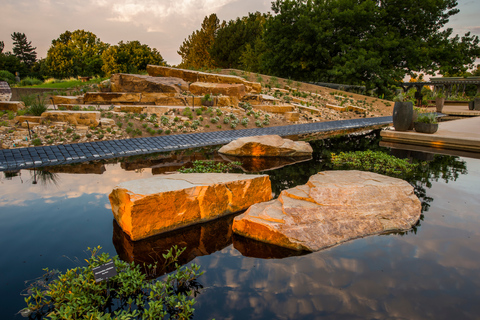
[69,130]
[36,142]
[375,161]
[119,124]
[28,81]
[226,120]
[245,122]
[7,76]
[198,111]
[208,166]
[214,120]
[76,295]
[167,131]
[144,125]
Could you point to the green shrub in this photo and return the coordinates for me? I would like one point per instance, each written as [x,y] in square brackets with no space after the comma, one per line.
[214,120]
[37,142]
[29,81]
[38,106]
[7,76]
[208,166]
[119,124]
[76,295]
[28,99]
[428,117]
[374,161]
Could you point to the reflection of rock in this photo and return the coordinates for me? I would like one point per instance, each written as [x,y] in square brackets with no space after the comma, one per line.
[256,249]
[151,206]
[83,168]
[257,164]
[267,146]
[199,240]
[333,207]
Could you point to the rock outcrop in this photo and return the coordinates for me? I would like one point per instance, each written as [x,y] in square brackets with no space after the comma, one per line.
[266,146]
[234,90]
[333,207]
[11,105]
[87,118]
[155,205]
[196,76]
[122,82]
[67,99]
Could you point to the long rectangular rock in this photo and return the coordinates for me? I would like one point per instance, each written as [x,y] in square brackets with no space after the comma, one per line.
[147,207]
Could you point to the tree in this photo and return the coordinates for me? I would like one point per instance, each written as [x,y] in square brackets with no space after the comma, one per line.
[23,49]
[195,49]
[364,42]
[77,53]
[130,57]
[2,46]
[233,38]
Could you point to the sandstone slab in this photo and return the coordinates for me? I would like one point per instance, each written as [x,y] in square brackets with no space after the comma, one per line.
[121,82]
[147,207]
[333,207]
[201,88]
[30,119]
[266,146]
[271,108]
[111,98]
[196,76]
[67,99]
[11,105]
[87,118]
[292,116]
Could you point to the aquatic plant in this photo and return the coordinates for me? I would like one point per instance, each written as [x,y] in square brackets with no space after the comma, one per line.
[209,166]
[374,161]
[75,294]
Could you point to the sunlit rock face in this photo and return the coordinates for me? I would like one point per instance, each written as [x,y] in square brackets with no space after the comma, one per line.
[196,76]
[122,82]
[201,88]
[266,146]
[155,205]
[87,118]
[333,207]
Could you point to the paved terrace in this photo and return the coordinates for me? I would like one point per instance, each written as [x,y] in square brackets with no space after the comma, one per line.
[23,158]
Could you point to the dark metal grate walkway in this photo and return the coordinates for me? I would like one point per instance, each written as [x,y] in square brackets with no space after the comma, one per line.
[23,158]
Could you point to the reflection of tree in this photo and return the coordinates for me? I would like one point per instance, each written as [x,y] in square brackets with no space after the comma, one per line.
[447,168]
[291,176]
[45,177]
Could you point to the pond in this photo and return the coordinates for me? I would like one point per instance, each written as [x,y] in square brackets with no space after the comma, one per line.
[48,217]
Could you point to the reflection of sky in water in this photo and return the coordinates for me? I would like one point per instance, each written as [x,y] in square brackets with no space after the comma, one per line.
[430,274]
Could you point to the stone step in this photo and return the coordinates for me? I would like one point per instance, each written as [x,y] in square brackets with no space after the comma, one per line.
[274,108]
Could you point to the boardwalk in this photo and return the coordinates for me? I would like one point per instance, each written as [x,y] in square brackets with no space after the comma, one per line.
[22,158]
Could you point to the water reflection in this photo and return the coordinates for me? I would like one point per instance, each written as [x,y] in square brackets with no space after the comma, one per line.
[199,240]
[256,249]
[260,164]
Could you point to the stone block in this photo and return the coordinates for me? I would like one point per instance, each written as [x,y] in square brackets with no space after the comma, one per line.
[31,119]
[333,207]
[147,207]
[11,105]
[267,146]
[88,118]
[67,99]
[105,98]
[202,88]
[121,82]
[274,108]
[292,116]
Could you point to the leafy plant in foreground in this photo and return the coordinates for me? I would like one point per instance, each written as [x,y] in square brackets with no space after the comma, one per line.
[129,295]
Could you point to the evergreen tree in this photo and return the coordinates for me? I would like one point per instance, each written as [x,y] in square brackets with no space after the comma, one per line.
[195,49]
[2,46]
[23,50]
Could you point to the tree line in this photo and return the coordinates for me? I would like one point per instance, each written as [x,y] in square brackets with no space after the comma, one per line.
[374,43]
[77,53]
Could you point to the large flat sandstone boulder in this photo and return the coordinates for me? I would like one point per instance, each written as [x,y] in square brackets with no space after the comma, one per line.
[266,146]
[196,76]
[121,82]
[333,207]
[67,99]
[87,118]
[201,88]
[111,98]
[11,105]
[155,205]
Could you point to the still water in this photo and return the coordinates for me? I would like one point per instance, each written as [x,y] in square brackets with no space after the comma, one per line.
[49,218]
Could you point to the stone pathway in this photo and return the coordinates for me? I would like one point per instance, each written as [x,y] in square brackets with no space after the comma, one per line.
[23,158]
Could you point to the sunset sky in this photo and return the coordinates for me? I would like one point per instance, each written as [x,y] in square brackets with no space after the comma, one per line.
[161,24]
